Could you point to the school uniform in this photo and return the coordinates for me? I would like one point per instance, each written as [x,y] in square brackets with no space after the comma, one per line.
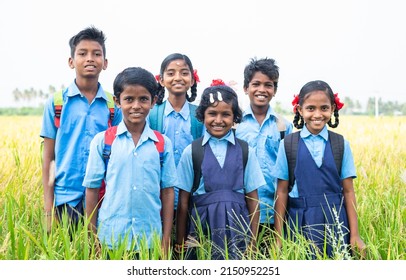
[177,126]
[219,201]
[134,178]
[316,203]
[79,123]
[264,139]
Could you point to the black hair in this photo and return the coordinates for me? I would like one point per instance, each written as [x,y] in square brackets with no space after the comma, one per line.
[266,66]
[164,64]
[312,86]
[89,33]
[135,76]
[228,96]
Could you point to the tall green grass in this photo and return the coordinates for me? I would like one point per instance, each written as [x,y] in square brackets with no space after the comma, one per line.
[378,146]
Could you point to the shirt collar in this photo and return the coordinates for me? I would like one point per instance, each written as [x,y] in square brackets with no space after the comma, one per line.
[228,137]
[146,134]
[74,90]
[184,112]
[269,112]
[306,133]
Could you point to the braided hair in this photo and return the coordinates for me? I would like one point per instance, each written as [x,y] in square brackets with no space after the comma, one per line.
[312,86]
[164,64]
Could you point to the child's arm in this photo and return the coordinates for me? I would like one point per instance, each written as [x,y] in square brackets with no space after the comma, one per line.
[48,179]
[92,197]
[182,217]
[281,202]
[167,199]
[253,210]
[350,205]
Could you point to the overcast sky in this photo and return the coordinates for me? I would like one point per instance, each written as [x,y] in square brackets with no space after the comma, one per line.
[358,47]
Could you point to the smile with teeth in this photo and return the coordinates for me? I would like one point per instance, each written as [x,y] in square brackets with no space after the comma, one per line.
[217,127]
[261,96]
[136,114]
[317,121]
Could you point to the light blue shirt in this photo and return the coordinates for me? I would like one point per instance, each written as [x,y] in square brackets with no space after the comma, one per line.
[253,178]
[177,126]
[264,139]
[79,123]
[316,145]
[131,206]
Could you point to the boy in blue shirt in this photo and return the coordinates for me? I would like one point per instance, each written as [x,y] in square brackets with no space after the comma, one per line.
[139,197]
[263,129]
[85,113]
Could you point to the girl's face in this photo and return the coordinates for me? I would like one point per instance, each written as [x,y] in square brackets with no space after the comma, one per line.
[219,119]
[177,77]
[316,111]
[260,90]
[135,103]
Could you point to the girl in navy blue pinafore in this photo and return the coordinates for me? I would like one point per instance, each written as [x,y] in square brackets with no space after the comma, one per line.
[321,206]
[224,207]
[318,213]
[222,210]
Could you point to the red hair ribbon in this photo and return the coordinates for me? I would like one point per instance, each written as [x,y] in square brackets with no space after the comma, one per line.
[217,82]
[195,76]
[158,78]
[337,101]
[295,102]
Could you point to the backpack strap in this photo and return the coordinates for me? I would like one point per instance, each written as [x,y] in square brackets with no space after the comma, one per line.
[156,117]
[197,158]
[280,123]
[160,146]
[109,136]
[58,104]
[337,146]
[291,143]
[196,127]
[110,105]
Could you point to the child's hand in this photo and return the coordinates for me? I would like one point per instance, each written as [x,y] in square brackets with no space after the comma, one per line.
[48,221]
[358,246]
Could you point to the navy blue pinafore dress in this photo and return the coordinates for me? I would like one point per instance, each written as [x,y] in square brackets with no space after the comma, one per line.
[319,212]
[222,211]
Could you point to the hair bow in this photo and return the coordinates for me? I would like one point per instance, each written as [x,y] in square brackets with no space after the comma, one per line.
[295,102]
[217,82]
[337,101]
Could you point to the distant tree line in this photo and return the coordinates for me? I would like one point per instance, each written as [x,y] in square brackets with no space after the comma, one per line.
[35,99]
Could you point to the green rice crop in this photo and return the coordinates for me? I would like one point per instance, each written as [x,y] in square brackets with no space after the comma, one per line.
[378,146]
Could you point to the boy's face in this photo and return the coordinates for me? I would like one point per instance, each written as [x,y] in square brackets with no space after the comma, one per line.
[89,59]
[219,119]
[177,78]
[260,90]
[135,103]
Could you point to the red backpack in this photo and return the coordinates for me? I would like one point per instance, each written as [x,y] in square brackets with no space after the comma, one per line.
[109,136]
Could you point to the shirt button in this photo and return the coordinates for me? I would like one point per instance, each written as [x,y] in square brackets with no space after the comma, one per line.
[176,132]
[134,220]
[134,187]
[135,154]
